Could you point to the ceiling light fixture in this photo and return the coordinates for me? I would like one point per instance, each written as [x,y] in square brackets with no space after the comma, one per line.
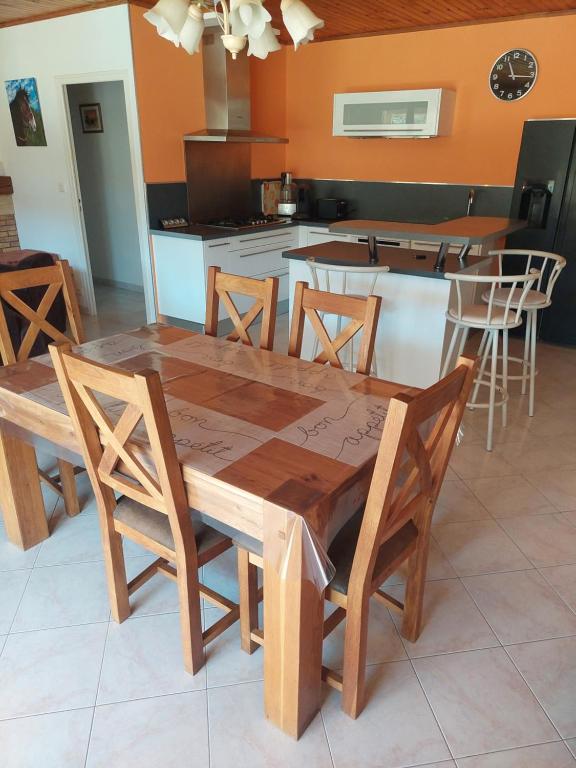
[241,21]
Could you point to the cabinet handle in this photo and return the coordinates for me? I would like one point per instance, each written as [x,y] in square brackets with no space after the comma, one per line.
[218,245]
[394,243]
[261,237]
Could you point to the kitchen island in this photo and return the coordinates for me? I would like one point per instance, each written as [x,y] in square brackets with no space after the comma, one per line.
[464,232]
[412,336]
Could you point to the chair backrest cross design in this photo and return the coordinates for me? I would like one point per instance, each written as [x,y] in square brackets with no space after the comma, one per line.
[56,279]
[265,294]
[363,313]
[415,448]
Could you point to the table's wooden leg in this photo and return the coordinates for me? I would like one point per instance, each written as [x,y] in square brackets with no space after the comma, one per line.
[293,621]
[20,495]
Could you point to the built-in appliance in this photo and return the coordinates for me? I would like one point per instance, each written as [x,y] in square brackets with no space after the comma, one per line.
[303,202]
[545,196]
[288,195]
[394,114]
[331,209]
[249,222]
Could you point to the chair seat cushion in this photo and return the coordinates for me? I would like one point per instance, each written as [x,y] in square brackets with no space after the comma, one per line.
[155,525]
[533,298]
[477,314]
[343,549]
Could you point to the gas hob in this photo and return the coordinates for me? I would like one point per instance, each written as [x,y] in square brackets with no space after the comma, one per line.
[250,222]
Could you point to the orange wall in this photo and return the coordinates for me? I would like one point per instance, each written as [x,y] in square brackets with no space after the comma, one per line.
[170,103]
[292,95]
[483,147]
[170,99]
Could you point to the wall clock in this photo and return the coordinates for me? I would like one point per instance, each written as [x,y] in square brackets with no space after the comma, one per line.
[513,75]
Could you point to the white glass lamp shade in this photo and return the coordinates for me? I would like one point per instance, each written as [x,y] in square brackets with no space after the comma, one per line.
[192,31]
[265,44]
[168,12]
[248,17]
[300,21]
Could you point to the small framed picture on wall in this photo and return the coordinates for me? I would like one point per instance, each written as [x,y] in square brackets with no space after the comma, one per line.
[91,117]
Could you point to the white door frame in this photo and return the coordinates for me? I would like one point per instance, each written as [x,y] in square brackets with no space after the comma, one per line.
[127,79]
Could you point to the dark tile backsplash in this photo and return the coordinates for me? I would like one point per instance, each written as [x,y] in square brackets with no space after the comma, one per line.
[394,201]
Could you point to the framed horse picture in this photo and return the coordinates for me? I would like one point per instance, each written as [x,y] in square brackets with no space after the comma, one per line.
[25,112]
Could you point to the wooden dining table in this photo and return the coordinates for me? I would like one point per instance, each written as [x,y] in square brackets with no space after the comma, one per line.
[279,449]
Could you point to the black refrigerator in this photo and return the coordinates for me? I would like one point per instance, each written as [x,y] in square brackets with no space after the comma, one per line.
[545,196]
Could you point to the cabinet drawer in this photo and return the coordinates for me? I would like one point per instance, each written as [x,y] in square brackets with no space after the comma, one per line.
[258,263]
[319,236]
[264,240]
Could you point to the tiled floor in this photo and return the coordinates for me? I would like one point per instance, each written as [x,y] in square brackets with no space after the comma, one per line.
[491,683]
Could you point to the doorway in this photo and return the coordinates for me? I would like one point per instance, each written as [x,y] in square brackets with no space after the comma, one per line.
[99,130]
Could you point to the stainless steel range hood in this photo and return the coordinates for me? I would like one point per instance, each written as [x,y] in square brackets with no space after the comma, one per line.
[227,97]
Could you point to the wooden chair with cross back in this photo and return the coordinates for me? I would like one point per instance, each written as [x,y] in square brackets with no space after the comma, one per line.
[58,281]
[314,305]
[391,529]
[308,302]
[265,294]
[122,423]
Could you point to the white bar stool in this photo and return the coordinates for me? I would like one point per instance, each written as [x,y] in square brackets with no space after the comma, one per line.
[492,319]
[550,265]
[339,284]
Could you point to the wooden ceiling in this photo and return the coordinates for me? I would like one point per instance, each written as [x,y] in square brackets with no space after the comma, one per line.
[344,18]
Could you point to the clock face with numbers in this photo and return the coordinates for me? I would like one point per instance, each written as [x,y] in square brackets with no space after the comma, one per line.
[513,75]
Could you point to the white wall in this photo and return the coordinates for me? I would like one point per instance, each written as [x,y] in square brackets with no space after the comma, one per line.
[103,161]
[81,47]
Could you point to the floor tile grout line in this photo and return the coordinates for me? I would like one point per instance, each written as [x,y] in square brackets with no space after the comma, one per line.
[96,695]
[17,609]
[330,752]
[432,709]
[543,568]
[506,749]
[537,699]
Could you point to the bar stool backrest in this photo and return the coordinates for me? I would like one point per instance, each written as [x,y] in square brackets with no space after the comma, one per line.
[513,306]
[548,264]
[342,270]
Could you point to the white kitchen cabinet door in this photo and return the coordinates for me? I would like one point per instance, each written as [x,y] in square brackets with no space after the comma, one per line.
[180,277]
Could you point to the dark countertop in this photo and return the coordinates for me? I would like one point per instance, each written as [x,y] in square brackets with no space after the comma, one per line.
[467,230]
[403,261]
[200,232]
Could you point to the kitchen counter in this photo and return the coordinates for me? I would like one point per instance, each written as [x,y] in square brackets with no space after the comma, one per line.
[466,230]
[412,336]
[402,261]
[200,232]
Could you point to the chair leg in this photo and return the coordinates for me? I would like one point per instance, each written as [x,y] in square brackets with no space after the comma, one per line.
[115,573]
[414,595]
[483,354]
[463,340]
[526,351]
[190,615]
[448,359]
[355,643]
[504,375]
[533,323]
[493,372]
[248,584]
[68,483]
